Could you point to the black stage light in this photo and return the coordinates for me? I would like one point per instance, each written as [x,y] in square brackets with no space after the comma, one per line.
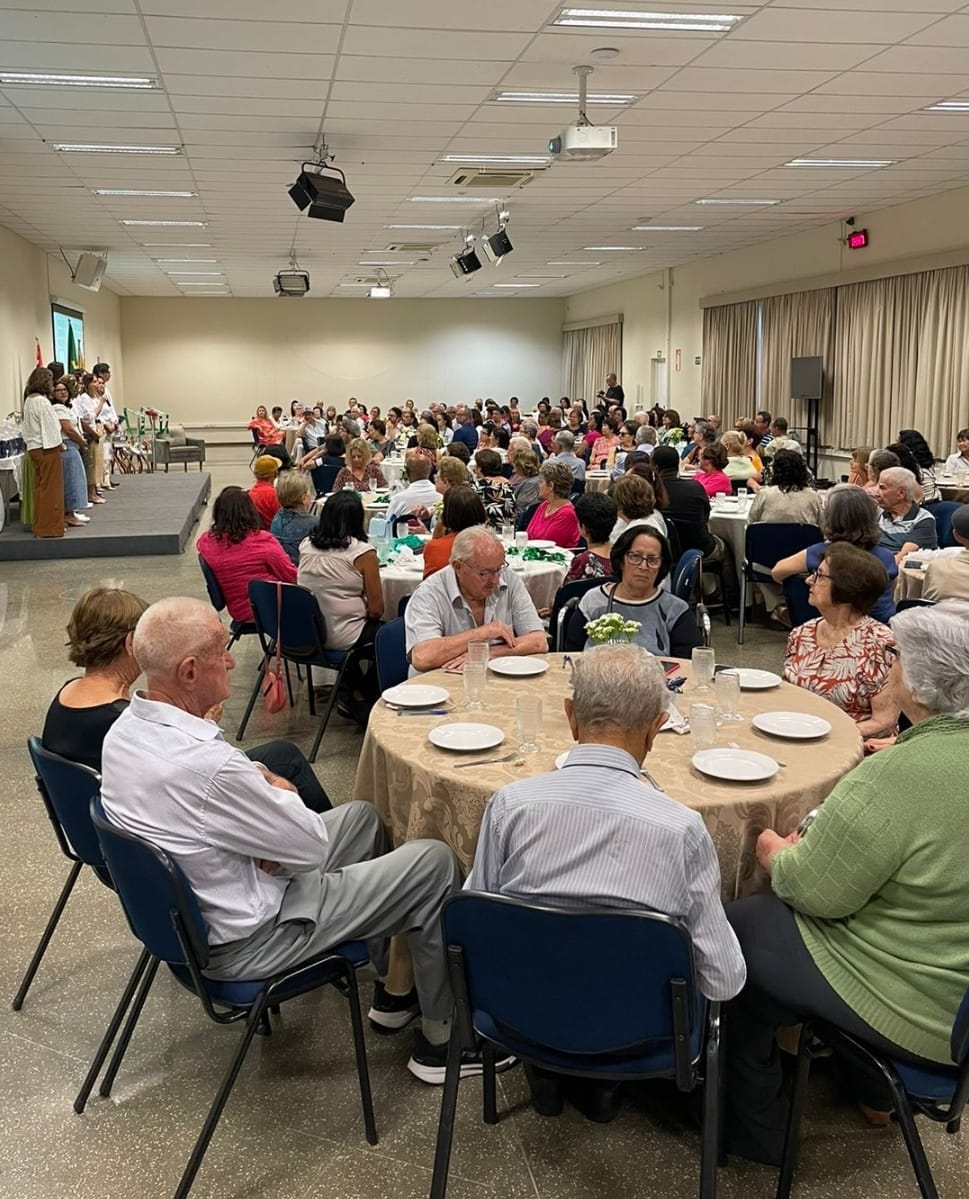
[322,197]
[465,263]
[497,246]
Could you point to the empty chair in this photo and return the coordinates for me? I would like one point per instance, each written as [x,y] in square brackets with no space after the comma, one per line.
[766,543]
[390,654]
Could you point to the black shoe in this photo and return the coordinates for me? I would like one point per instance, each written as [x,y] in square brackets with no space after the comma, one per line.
[429,1062]
[597,1101]
[354,710]
[390,1013]
[548,1093]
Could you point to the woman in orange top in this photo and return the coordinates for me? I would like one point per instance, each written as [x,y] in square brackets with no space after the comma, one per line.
[462,509]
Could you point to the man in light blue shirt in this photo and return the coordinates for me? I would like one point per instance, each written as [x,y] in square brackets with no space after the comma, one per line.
[564,447]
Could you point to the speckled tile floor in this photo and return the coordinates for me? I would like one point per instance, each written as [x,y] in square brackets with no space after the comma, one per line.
[293,1126]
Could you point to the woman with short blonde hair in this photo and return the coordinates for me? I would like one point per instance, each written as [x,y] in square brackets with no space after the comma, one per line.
[360,468]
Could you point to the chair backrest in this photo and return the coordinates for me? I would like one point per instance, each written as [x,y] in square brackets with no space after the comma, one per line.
[798,605]
[255,437]
[578,488]
[767,543]
[673,537]
[301,627]
[212,585]
[390,654]
[66,789]
[153,889]
[685,580]
[942,512]
[516,954]
[574,590]
[913,603]
[325,476]
[525,517]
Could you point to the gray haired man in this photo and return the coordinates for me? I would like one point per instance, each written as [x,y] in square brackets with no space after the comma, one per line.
[564,446]
[904,524]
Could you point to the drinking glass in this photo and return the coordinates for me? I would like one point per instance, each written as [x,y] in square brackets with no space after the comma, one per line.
[704,660]
[372,486]
[474,684]
[478,653]
[727,687]
[528,718]
[742,494]
[703,725]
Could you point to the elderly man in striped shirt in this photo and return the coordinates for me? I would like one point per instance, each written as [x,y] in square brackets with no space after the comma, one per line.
[595,833]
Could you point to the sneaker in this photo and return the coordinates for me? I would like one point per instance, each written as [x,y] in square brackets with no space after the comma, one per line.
[429,1062]
[83,519]
[390,1013]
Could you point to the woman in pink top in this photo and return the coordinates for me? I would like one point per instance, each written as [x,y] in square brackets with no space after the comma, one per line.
[555,518]
[238,549]
[710,476]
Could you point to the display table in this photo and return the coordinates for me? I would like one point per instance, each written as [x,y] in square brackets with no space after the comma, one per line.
[597,480]
[11,482]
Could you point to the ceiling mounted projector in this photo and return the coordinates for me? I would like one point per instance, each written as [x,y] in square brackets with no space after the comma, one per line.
[583,141]
[465,263]
[291,283]
[324,197]
[497,246]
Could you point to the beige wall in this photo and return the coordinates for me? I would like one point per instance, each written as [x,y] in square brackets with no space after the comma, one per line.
[215,359]
[921,235]
[29,279]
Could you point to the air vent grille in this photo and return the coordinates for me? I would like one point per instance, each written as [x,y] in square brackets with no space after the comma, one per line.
[493,181]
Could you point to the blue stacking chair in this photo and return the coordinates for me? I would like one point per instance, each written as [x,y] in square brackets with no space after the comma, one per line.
[390,654]
[796,592]
[942,511]
[563,608]
[936,1092]
[164,915]
[766,543]
[301,632]
[324,477]
[238,628]
[686,583]
[630,1011]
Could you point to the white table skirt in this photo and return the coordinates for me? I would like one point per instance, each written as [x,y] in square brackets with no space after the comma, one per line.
[541,579]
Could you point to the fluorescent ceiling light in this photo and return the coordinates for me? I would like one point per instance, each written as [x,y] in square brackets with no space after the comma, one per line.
[539,275]
[573,264]
[186,274]
[211,293]
[949,106]
[516,285]
[667,228]
[872,163]
[612,99]
[183,224]
[388,262]
[731,201]
[186,260]
[354,285]
[455,199]
[97,148]
[129,191]
[185,283]
[614,247]
[442,227]
[491,159]
[603,18]
[44,79]
[179,245]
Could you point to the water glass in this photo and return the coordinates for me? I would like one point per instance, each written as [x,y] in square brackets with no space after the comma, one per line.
[704,660]
[727,686]
[475,674]
[528,719]
[742,496]
[521,539]
[703,725]
[478,653]
[372,485]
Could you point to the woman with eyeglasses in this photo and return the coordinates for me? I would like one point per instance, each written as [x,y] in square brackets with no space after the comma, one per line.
[72,461]
[640,560]
[843,654]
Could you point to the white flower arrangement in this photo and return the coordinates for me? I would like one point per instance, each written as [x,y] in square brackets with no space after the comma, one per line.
[611,627]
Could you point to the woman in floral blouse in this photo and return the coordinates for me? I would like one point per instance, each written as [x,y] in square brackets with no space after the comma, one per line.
[495,490]
[844,654]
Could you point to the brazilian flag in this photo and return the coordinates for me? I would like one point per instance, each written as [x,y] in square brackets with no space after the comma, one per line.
[71,348]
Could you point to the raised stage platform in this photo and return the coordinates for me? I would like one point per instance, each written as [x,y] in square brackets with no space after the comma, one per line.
[148,514]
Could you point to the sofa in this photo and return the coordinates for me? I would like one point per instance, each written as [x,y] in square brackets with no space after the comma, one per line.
[174,446]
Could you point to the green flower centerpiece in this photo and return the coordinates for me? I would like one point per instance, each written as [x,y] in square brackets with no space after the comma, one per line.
[611,629]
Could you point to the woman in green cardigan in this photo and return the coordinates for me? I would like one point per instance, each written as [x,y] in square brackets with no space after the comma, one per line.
[867,923]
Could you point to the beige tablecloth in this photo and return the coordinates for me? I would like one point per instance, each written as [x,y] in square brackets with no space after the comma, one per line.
[420,793]
[541,579]
[957,490]
[597,480]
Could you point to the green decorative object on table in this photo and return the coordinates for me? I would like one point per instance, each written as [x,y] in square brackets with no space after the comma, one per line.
[612,629]
[536,555]
[412,542]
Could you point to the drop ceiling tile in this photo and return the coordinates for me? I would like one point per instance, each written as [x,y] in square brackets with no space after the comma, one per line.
[359,68]
[395,118]
[867,82]
[570,47]
[521,15]
[268,125]
[632,79]
[742,104]
[44,55]
[929,60]
[875,106]
[75,29]
[418,43]
[810,23]
[285,37]
[849,122]
[410,93]
[783,56]
[252,87]
[96,119]
[710,79]
[245,64]
[952,31]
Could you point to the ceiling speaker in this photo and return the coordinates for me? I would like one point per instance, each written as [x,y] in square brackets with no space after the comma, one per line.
[90,271]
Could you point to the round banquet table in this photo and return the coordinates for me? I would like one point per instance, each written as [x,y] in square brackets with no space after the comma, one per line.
[597,480]
[419,792]
[541,579]
[392,469]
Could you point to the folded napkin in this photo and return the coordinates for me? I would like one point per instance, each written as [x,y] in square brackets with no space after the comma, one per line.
[676,722]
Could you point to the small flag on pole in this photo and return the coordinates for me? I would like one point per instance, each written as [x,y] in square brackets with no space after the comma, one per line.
[71,349]
[37,354]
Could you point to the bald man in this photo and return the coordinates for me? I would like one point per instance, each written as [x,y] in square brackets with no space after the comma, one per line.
[276,883]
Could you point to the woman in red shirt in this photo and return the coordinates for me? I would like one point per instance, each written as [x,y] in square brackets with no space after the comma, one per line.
[555,518]
[710,476]
[271,437]
[238,549]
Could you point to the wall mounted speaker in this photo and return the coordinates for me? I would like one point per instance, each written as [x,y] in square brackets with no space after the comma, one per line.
[90,271]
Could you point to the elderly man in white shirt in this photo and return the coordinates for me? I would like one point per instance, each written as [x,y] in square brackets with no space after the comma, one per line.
[475,598]
[276,883]
[595,833]
[420,494]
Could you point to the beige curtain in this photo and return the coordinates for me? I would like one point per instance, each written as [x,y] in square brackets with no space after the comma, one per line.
[729,382]
[939,405]
[588,355]
[796,326]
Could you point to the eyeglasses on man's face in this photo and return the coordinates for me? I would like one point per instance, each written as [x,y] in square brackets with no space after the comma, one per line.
[651,560]
[491,573]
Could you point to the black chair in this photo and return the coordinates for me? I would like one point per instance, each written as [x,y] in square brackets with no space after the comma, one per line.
[238,628]
[507,470]
[390,655]
[673,537]
[942,511]
[799,606]
[564,605]
[256,447]
[324,477]
[300,630]
[578,488]
[937,1092]
[766,544]
[686,583]
[163,913]
[633,1012]
[682,532]
[913,603]
[523,519]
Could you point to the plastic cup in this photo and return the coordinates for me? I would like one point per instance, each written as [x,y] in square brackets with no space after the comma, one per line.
[528,719]
[478,653]
[703,660]
[475,674]
[703,725]
[727,687]
[521,540]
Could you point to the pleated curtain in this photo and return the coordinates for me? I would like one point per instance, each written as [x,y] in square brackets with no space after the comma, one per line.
[800,325]
[729,379]
[588,355]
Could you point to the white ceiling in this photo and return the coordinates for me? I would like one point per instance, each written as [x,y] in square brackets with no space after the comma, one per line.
[394,85]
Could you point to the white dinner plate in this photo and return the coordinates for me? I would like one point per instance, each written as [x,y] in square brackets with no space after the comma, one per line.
[798,726]
[597,474]
[466,738]
[735,765]
[543,545]
[756,680]
[415,695]
[411,564]
[518,666]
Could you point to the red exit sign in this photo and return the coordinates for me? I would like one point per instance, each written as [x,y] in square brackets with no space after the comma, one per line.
[858,239]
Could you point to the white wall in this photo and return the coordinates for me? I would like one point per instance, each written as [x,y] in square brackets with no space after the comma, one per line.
[214,360]
[29,278]
[924,234]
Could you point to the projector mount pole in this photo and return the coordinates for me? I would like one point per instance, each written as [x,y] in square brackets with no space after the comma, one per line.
[583,74]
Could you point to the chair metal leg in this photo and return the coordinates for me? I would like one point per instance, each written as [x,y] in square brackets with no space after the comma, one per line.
[798,1098]
[28,978]
[488,1088]
[712,1110]
[144,959]
[913,1143]
[360,1052]
[107,1082]
[742,616]
[215,1111]
[331,704]
[289,683]
[260,673]
[445,1127]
